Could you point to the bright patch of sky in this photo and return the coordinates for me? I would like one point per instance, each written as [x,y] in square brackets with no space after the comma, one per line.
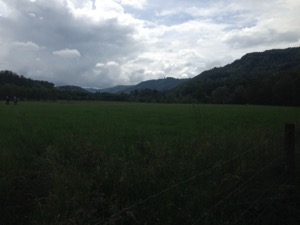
[102,43]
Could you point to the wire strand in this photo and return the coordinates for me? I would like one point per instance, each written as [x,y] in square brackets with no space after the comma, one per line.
[257,199]
[233,192]
[184,181]
[269,204]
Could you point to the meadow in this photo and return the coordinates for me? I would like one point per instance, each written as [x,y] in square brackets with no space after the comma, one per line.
[71,162]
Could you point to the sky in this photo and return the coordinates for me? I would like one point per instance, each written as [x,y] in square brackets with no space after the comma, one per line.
[103,43]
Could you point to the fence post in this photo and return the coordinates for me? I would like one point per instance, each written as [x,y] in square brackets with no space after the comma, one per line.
[290,151]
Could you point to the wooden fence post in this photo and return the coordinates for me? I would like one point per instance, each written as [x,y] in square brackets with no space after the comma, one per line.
[290,151]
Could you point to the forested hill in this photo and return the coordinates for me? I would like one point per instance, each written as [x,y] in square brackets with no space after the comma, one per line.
[12,84]
[11,78]
[158,85]
[270,77]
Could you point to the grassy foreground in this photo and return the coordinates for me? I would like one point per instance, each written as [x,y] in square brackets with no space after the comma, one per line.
[85,162]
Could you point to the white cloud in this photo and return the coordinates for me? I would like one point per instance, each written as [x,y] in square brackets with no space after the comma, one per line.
[184,76]
[26,45]
[99,65]
[97,11]
[112,63]
[139,4]
[3,9]
[67,53]
[274,26]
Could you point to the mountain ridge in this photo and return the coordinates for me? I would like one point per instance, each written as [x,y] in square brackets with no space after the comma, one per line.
[255,78]
[165,84]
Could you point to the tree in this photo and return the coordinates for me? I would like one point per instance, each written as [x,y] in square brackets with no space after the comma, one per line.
[220,95]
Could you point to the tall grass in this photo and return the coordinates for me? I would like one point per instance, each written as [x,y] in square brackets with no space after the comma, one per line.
[84,162]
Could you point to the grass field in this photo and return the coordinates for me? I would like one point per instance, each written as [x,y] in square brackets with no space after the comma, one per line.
[85,162]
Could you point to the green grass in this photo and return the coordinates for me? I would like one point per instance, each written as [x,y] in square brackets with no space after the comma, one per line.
[82,162]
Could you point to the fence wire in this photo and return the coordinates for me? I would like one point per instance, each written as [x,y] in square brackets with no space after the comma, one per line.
[214,207]
[206,171]
[260,197]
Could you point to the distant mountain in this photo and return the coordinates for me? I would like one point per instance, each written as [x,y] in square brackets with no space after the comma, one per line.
[92,90]
[72,88]
[270,77]
[117,89]
[159,85]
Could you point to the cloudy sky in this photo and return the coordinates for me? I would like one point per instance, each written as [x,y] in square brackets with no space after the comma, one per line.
[102,43]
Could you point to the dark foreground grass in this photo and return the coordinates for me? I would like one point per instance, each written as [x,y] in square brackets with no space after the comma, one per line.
[86,162]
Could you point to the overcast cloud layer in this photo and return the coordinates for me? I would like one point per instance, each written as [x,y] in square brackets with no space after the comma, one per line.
[102,43]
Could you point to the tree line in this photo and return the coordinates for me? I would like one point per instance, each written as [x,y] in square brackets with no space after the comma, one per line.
[12,84]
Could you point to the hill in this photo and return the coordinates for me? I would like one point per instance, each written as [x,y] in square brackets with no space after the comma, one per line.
[10,78]
[270,77]
[116,89]
[72,88]
[12,84]
[159,85]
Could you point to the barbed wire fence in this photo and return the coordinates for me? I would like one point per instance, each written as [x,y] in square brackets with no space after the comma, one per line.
[245,200]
